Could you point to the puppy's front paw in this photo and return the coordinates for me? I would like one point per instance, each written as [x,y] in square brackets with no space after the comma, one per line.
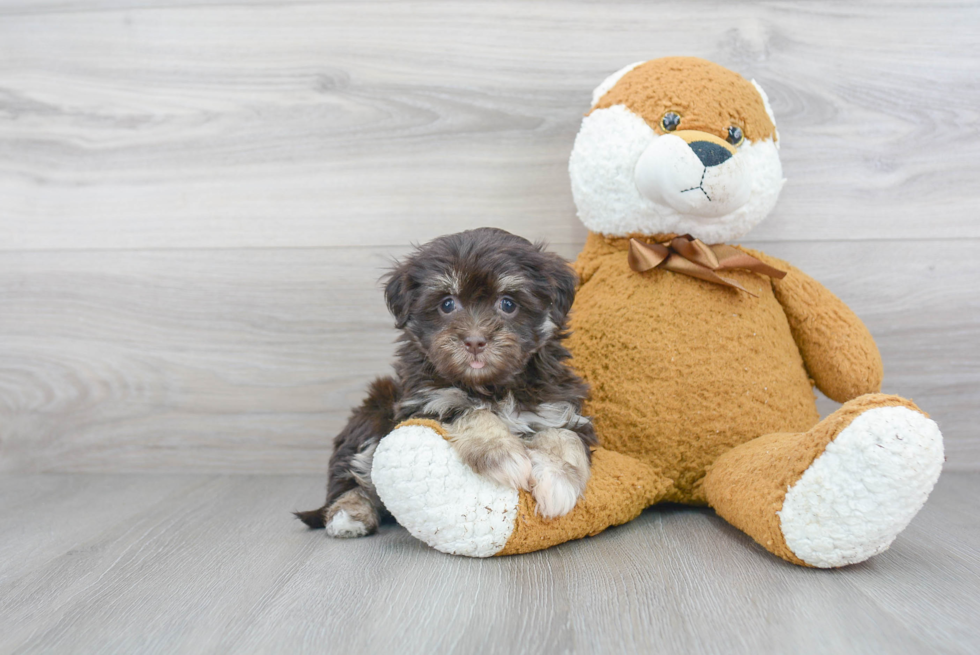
[486,445]
[507,465]
[559,471]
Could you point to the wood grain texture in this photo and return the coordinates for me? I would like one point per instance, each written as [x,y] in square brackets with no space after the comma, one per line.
[181,183]
[249,360]
[216,564]
[257,124]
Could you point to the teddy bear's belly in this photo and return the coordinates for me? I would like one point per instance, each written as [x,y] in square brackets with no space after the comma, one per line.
[683,370]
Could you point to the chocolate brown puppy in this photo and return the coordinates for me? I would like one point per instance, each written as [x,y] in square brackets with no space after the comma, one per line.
[483,316]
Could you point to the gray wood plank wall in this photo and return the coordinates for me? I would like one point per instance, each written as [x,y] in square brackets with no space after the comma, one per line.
[197,198]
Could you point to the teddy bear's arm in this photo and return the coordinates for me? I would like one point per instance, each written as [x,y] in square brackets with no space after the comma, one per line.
[838,351]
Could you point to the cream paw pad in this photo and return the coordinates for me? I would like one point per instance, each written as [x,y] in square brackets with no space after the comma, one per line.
[438,498]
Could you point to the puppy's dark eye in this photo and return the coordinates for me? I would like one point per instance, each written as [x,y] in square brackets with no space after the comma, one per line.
[670,121]
[735,136]
[507,305]
[448,305]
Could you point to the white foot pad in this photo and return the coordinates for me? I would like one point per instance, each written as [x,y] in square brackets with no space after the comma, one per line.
[439,499]
[856,497]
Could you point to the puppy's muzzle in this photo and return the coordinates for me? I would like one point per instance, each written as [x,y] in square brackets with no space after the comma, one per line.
[694,173]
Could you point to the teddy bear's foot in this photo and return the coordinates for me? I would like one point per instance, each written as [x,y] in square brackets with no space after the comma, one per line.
[841,492]
[425,485]
[440,500]
[865,488]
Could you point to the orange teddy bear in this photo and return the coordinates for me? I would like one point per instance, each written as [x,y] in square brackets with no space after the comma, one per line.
[701,356]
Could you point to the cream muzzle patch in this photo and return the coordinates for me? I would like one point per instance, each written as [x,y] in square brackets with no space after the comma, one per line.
[627,179]
[694,173]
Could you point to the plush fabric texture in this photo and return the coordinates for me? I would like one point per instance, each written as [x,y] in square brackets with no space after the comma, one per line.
[768,108]
[618,490]
[424,483]
[625,123]
[825,328]
[708,97]
[435,426]
[864,489]
[610,81]
[683,370]
[747,485]
[439,499]
[602,165]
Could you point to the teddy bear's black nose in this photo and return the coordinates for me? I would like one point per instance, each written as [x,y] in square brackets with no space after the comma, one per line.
[710,154]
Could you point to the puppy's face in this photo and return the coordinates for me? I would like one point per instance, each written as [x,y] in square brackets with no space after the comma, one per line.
[480,303]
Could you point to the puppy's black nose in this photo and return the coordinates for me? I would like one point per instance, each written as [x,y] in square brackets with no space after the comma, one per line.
[475,343]
[710,154]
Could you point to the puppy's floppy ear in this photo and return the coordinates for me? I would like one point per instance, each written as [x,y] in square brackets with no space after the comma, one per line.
[564,281]
[398,293]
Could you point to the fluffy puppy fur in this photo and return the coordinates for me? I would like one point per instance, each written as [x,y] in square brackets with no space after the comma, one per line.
[482,316]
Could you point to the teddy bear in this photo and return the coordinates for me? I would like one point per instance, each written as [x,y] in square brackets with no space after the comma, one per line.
[701,356]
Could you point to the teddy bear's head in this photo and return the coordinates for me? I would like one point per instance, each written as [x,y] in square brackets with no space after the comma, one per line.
[673,146]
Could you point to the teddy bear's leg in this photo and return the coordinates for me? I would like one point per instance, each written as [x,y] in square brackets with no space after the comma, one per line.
[837,494]
[430,491]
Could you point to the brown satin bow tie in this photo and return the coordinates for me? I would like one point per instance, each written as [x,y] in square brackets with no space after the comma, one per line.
[690,256]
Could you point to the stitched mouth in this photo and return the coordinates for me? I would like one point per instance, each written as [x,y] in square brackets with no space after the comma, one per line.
[700,186]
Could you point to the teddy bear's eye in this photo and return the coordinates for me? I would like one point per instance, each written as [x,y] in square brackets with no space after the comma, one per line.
[735,136]
[670,121]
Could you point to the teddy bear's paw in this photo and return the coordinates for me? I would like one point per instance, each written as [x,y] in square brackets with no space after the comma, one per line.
[440,500]
[559,471]
[864,489]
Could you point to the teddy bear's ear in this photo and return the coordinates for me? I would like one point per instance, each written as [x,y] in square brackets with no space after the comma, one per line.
[399,289]
[765,103]
[610,82]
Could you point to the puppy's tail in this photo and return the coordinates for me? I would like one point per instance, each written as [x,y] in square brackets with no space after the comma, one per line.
[313,518]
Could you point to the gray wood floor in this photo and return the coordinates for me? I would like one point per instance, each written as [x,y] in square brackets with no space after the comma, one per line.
[205,563]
